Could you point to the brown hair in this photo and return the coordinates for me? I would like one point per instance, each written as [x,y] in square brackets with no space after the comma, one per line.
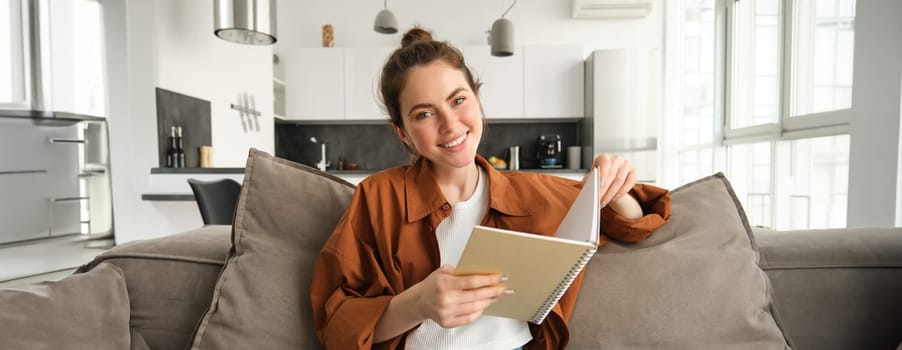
[417,48]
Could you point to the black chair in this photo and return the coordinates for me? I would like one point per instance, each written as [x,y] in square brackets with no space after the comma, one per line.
[216,200]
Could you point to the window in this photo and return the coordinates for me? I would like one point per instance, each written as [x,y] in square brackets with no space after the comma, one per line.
[696,136]
[76,29]
[765,88]
[12,56]
[822,56]
[813,174]
[755,66]
[72,32]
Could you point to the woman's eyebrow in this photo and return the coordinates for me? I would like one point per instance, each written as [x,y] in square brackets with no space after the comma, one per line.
[455,92]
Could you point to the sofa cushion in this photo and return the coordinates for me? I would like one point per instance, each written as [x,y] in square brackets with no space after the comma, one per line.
[170,282]
[90,310]
[285,213]
[693,284]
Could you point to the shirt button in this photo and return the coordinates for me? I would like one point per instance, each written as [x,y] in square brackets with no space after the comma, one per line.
[446,207]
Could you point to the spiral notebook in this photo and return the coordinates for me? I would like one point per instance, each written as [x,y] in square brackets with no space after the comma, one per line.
[539,268]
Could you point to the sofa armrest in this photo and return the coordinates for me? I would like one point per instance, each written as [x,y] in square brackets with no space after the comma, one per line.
[170,281]
[838,288]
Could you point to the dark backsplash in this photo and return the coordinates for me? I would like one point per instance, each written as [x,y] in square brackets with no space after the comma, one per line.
[376,147]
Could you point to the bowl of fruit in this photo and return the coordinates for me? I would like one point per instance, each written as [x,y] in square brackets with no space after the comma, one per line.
[497,163]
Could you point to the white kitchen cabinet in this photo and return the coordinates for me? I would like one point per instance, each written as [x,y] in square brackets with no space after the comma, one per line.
[363,68]
[502,81]
[40,171]
[553,81]
[314,84]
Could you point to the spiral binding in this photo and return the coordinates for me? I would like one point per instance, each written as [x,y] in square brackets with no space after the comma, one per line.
[562,287]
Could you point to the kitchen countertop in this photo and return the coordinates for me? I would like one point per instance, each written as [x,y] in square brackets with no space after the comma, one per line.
[170,184]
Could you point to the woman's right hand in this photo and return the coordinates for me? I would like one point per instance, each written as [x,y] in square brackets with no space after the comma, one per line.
[447,299]
[453,301]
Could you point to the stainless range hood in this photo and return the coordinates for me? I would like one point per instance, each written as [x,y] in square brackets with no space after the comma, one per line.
[251,22]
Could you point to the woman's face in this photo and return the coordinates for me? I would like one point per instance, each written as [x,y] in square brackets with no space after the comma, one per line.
[441,115]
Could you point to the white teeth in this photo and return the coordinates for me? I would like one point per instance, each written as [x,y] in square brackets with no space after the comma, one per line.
[456,142]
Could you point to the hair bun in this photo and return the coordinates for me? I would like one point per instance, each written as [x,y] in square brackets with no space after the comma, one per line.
[415,34]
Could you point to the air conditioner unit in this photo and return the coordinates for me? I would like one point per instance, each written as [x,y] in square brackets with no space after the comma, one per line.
[611,9]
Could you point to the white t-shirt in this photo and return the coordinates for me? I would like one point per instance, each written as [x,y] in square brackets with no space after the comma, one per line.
[488,332]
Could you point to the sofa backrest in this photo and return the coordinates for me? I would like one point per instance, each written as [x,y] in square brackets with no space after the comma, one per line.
[836,289]
[170,282]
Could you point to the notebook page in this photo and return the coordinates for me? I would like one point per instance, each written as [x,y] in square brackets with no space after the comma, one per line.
[582,220]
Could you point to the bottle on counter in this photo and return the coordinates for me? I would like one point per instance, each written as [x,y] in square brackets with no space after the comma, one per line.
[181,148]
[172,154]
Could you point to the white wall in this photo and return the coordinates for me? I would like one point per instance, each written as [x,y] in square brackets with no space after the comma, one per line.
[873,157]
[462,22]
[170,44]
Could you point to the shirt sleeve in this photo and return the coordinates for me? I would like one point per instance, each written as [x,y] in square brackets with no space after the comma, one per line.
[655,203]
[349,292]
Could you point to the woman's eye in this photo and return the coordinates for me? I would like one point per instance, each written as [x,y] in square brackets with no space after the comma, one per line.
[423,115]
[458,101]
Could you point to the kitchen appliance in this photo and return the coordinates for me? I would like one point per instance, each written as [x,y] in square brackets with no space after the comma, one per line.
[514,161]
[548,151]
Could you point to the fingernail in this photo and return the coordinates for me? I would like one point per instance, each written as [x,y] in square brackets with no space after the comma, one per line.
[603,203]
[508,291]
[503,279]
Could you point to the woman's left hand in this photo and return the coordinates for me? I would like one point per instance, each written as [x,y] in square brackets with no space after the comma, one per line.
[616,177]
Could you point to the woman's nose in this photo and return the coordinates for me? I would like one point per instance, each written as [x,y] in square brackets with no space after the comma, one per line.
[448,118]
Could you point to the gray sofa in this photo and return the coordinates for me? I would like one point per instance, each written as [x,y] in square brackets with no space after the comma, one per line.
[833,289]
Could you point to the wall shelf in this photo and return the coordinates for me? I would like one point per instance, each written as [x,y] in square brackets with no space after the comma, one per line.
[45,117]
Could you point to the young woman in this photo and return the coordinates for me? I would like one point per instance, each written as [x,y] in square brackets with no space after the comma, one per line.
[385,280]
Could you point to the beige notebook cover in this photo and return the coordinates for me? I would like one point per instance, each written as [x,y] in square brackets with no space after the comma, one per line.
[539,268]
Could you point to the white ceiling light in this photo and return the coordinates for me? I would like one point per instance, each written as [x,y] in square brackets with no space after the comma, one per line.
[501,37]
[251,22]
[611,9]
[385,22]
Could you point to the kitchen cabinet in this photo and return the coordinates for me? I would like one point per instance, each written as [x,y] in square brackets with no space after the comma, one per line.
[314,84]
[502,81]
[38,173]
[336,84]
[363,69]
[553,79]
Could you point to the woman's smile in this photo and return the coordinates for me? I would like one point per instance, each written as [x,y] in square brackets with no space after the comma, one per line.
[456,142]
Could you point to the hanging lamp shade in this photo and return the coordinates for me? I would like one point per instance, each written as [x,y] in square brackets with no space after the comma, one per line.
[385,22]
[250,22]
[502,38]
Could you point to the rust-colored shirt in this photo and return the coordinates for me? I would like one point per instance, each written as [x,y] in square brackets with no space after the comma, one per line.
[385,243]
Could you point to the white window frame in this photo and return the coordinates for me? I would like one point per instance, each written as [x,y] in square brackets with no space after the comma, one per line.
[21,56]
[33,39]
[830,123]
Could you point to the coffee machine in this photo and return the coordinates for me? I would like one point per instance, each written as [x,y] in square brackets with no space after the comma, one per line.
[548,151]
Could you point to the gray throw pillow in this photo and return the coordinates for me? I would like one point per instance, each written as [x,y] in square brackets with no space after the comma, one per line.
[693,284]
[285,213]
[82,311]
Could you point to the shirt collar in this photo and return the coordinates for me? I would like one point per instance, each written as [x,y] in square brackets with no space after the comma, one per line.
[423,196]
